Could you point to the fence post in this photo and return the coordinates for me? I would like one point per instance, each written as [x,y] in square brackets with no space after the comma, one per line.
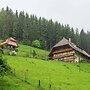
[26,75]
[39,83]
[14,72]
[49,86]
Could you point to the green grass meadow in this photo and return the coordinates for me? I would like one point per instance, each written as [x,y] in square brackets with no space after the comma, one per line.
[26,51]
[53,75]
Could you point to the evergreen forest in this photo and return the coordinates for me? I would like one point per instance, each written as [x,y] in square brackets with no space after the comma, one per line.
[27,28]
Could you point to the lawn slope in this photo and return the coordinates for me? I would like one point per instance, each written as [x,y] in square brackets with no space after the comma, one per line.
[60,75]
[52,75]
[26,51]
[13,83]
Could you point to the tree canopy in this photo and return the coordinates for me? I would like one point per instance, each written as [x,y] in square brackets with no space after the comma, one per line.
[28,28]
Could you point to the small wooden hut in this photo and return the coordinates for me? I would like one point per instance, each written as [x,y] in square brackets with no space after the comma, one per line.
[9,43]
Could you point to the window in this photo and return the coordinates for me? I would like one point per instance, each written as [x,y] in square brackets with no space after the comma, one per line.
[61,59]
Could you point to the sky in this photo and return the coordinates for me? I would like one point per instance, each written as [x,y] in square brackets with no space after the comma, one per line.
[76,13]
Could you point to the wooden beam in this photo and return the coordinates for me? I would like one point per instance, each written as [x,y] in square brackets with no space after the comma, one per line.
[65,55]
[69,59]
[63,50]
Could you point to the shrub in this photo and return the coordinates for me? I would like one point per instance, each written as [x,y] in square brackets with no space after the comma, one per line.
[13,53]
[1,52]
[36,44]
[34,53]
[16,50]
[4,68]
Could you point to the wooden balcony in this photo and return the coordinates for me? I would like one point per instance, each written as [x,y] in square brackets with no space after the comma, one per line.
[69,59]
[63,50]
[65,55]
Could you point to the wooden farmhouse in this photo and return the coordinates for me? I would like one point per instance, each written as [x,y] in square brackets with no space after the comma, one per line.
[67,51]
[9,43]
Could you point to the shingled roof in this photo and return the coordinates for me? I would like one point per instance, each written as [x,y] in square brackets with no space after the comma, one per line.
[7,41]
[64,41]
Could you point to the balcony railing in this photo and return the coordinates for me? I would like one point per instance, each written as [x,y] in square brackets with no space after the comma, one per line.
[62,56]
[69,59]
[63,50]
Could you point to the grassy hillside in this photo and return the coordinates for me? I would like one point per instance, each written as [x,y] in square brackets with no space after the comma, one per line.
[26,51]
[61,75]
[9,82]
[53,75]
[12,83]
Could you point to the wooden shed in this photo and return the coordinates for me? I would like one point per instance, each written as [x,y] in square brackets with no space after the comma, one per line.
[9,43]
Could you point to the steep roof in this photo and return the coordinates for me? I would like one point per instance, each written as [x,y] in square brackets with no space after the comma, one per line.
[7,41]
[64,41]
[12,39]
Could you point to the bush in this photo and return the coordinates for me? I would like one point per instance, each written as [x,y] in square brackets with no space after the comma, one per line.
[16,50]
[4,68]
[1,52]
[36,44]
[13,53]
[34,53]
